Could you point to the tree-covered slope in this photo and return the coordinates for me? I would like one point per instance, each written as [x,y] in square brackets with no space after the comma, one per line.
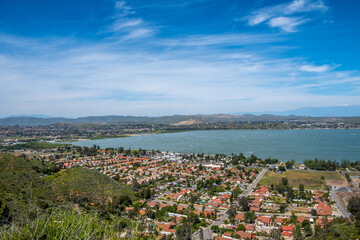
[23,189]
[81,185]
[29,187]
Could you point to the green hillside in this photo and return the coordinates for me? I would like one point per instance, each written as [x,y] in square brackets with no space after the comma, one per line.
[29,187]
[81,185]
[23,189]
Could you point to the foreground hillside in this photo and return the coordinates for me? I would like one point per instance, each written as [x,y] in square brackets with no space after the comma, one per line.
[38,201]
[82,185]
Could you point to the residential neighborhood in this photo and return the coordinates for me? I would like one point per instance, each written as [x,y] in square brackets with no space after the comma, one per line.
[220,201]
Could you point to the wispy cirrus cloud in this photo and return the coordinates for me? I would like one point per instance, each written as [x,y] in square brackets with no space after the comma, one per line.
[105,77]
[119,25]
[316,69]
[288,24]
[127,23]
[238,39]
[286,16]
[191,67]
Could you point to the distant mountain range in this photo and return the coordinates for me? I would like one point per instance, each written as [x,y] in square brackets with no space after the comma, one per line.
[307,113]
[176,119]
[31,115]
[334,111]
[166,120]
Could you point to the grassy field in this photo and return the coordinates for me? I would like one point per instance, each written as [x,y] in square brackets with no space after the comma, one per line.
[311,180]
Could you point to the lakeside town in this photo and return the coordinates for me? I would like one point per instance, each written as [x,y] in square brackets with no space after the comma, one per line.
[199,196]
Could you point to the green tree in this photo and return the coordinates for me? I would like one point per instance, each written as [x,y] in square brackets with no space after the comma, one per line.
[297,233]
[184,232]
[354,205]
[282,208]
[302,191]
[275,234]
[231,211]
[200,167]
[308,230]
[285,181]
[290,164]
[215,228]
[313,212]
[243,204]
[250,216]
[241,227]
[290,195]
[135,185]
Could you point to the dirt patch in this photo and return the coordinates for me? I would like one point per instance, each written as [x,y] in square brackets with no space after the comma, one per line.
[186,122]
[356,181]
[340,183]
[344,197]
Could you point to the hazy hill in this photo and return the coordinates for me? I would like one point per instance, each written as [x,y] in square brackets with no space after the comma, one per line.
[176,119]
[334,111]
[302,114]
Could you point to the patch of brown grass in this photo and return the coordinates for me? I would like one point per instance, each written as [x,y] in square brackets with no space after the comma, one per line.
[311,180]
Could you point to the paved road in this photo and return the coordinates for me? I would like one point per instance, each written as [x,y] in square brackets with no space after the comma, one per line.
[207,231]
[338,204]
[254,183]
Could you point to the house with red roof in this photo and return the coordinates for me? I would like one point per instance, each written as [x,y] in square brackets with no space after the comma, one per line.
[180,208]
[301,219]
[263,221]
[320,221]
[323,210]
[244,235]
[286,234]
[249,227]
[288,228]
[240,217]
[280,220]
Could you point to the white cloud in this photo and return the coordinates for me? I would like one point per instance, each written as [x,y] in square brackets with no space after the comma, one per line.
[258,18]
[139,33]
[121,24]
[123,10]
[316,69]
[281,15]
[128,24]
[287,24]
[120,5]
[101,79]
[222,39]
[305,6]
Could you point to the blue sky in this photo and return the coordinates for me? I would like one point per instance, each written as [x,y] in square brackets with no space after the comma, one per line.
[80,58]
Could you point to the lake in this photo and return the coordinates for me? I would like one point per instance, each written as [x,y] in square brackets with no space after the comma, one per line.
[333,144]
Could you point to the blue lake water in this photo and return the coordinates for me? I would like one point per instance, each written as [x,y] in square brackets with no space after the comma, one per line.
[333,144]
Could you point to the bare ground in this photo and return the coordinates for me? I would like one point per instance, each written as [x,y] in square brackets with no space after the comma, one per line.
[340,183]
[344,197]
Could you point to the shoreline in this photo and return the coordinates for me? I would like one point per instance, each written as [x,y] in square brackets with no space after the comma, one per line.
[199,130]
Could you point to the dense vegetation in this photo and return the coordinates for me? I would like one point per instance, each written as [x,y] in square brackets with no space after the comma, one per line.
[36,146]
[64,224]
[38,201]
[320,164]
